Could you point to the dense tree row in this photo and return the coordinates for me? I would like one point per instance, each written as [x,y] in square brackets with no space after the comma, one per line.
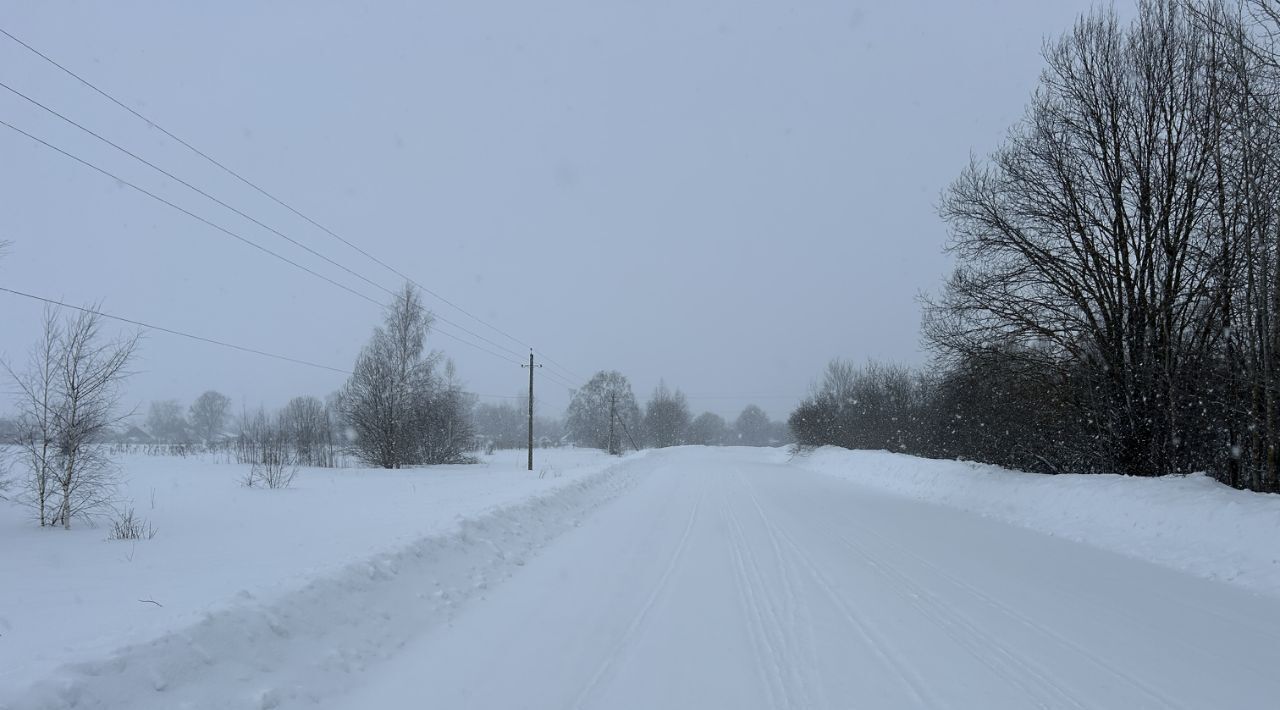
[506,426]
[665,420]
[204,422]
[1115,301]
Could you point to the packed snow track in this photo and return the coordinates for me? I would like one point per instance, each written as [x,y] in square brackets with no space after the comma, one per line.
[730,579]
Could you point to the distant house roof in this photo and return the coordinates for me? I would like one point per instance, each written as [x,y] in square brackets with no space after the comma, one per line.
[134,435]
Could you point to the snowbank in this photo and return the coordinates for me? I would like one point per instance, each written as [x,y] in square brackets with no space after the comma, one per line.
[351,562]
[1191,523]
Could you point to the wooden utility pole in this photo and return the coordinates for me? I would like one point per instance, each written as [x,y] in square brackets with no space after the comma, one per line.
[613,416]
[531,366]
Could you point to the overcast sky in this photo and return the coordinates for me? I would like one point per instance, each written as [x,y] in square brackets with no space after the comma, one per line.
[722,194]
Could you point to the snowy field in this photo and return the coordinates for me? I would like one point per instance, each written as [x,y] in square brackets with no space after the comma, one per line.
[225,556]
[681,578]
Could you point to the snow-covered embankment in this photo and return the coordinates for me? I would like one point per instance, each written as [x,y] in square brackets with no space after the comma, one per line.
[1191,523]
[307,633]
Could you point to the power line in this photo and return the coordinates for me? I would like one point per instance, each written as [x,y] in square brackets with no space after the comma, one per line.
[628,432]
[481,348]
[260,190]
[472,333]
[237,211]
[571,375]
[189,186]
[230,233]
[171,331]
[551,375]
[199,338]
[187,212]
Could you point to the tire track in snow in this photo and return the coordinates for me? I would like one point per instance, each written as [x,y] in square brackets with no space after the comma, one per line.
[911,681]
[797,644]
[1039,686]
[638,621]
[1011,613]
[761,646]
[783,646]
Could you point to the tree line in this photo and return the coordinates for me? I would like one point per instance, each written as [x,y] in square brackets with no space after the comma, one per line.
[401,406]
[604,414]
[1114,305]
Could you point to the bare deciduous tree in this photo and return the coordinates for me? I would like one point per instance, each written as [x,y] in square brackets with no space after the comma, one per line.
[309,432]
[501,425]
[90,373]
[69,398]
[666,417]
[874,407]
[38,400]
[752,427]
[264,445]
[1085,238]
[208,415]
[588,421]
[707,429]
[1116,305]
[167,422]
[400,411]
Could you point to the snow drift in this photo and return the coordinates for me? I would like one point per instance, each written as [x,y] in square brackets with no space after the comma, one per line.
[1191,523]
[244,652]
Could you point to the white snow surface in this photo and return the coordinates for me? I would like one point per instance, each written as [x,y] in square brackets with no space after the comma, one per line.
[681,578]
[248,576]
[1191,523]
[730,579]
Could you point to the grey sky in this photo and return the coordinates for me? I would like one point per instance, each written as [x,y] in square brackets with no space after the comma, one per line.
[722,194]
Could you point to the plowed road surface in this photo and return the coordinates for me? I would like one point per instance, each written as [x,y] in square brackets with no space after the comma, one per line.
[721,580]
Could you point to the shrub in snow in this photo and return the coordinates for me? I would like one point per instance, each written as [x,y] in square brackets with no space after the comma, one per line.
[271,474]
[126,525]
[264,445]
[307,425]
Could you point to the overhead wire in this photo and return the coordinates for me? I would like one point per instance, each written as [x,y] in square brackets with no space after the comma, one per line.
[564,370]
[237,211]
[173,331]
[230,233]
[153,124]
[200,338]
[187,212]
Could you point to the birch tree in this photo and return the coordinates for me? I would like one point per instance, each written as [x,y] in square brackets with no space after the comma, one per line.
[37,402]
[69,398]
[401,412]
[588,417]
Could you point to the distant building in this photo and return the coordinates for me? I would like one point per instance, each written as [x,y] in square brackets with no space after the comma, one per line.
[134,435]
[8,431]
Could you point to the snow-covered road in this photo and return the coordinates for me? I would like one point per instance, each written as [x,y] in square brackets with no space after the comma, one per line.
[729,579]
